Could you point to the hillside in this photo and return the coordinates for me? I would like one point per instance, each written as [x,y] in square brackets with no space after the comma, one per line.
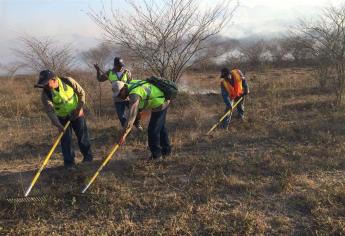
[282,171]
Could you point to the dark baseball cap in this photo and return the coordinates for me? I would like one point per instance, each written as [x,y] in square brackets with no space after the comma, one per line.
[118,61]
[225,72]
[44,77]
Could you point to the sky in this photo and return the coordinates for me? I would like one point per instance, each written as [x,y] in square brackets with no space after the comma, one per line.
[66,20]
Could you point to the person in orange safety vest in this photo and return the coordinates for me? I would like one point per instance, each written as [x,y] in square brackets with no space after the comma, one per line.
[233,87]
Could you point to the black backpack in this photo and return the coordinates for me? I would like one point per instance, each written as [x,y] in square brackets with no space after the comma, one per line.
[168,87]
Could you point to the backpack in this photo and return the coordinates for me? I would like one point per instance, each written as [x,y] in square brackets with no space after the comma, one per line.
[168,87]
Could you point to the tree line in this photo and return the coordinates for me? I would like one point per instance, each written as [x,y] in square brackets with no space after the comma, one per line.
[172,36]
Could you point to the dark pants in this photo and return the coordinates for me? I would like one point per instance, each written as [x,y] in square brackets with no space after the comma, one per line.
[239,108]
[80,130]
[120,110]
[158,134]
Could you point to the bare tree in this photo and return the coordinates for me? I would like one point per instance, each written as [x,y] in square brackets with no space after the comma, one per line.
[325,38]
[302,47]
[102,55]
[277,50]
[165,34]
[236,60]
[295,46]
[216,49]
[324,66]
[38,54]
[253,52]
[11,69]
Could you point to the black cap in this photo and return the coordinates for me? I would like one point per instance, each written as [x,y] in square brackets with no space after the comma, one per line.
[225,72]
[44,77]
[118,62]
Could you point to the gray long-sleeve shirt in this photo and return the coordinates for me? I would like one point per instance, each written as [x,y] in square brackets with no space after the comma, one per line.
[134,101]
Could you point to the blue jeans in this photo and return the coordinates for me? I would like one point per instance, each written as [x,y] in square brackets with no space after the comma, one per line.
[120,110]
[239,108]
[80,129]
[158,134]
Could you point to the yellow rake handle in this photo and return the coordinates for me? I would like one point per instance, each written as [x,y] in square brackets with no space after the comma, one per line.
[105,162]
[225,115]
[45,162]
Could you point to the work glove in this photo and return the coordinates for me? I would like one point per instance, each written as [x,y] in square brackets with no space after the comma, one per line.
[122,139]
[124,133]
[239,97]
[245,93]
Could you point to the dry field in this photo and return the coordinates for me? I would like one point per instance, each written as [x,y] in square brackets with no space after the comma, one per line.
[282,171]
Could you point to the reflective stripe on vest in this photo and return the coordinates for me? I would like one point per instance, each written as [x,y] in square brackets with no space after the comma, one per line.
[113,77]
[151,97]
[65,100]
[237,89]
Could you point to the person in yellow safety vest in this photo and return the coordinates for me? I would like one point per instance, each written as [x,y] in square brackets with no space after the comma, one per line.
[118,73]
[233,87]
[63,100]
[145,96]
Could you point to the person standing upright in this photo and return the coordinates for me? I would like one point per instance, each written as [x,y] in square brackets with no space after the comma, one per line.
[118,73]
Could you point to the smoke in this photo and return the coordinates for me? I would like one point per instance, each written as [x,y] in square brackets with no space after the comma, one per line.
[185,85]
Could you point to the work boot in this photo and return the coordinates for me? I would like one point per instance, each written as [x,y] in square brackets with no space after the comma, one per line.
[166,152]
[70,167]
[225,126]
[87,160]
[155,159]
[139,127]
[137,123]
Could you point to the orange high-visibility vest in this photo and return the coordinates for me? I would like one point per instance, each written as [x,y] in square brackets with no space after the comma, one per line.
[237,89]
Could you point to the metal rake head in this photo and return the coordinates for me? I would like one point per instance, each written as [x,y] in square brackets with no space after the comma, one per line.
[44,198]
[24,200]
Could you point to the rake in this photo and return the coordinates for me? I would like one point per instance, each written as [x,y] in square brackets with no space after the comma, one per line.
[45,162]
[225,115]
[30,199]
[40,199]
[105,162]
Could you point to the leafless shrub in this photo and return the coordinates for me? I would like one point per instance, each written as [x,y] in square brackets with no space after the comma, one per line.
[167,35]
[10,69]
[209,58]
[277,50]
[253,52]
[38,54]
[102,55]
[324,69]
[325,39]
[296,49]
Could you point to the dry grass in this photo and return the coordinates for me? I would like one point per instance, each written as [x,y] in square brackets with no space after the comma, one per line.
[280,172]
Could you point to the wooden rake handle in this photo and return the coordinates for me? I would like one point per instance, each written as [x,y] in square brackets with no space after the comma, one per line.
[225,115]
[45,161]
[105,162]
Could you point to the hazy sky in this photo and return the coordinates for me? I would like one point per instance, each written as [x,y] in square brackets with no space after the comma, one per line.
[67,19]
